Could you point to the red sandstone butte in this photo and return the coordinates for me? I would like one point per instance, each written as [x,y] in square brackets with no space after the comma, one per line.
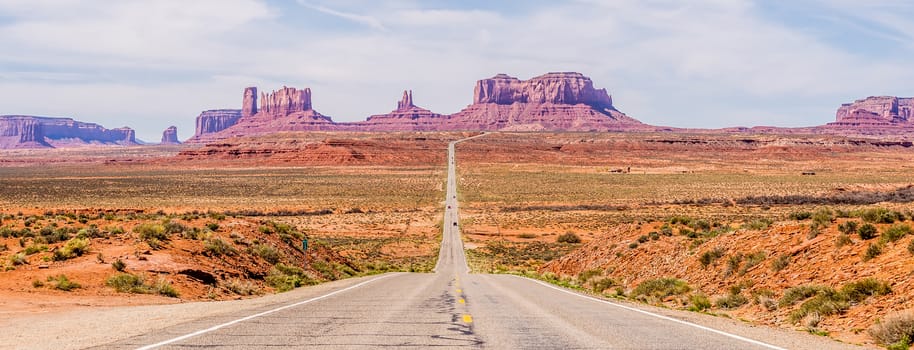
[23,131]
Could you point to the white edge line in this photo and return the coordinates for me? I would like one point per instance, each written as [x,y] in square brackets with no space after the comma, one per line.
[213,328]
[687,323]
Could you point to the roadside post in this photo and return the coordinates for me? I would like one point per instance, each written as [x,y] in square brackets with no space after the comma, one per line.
[304,249]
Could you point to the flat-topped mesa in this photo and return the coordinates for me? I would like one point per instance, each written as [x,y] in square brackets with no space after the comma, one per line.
[22,131]
[876,111]
[556,88]
[285,101]
[215,120]
[249,103]
[170,136]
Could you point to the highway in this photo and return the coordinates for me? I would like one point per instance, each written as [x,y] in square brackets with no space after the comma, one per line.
[453,308]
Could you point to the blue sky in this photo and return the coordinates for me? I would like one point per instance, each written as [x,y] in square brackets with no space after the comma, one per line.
[699,63]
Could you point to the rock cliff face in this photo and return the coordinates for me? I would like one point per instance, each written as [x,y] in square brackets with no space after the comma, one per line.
[170,136]
[18,131]
[215,120]
[285,101]
[249,104]
[556,88]
[876,111]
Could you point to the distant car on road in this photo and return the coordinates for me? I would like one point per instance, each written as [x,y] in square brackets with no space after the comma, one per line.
[455,223]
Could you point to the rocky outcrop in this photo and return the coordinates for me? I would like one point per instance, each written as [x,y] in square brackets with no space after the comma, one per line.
[407,117]
[249,103]
[876,111]
[18,131]
[553,102]
[213,121]
[170,136]
[285,101]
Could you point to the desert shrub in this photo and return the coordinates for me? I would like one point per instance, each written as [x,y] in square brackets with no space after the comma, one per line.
[63,283]
[800,215]
[218,247]
[708,257]
[118,265]
[267,252]
[212,226]
[35,248]
[4,247]
[586,275]
[862,289]
[779,263]
[73,248]
[164,287]
[241,287]
[150,232]
[758,224]
[880,216]
[842,240]
[814,230]
[896,329]
[18,259]
[799,293]
[848,227]
[127,283]
[827,302]
[633,245]
[173,227]
[285,278]
[527,235]
[822,216]
[731,301]
[643,239]
[733,263]
[765,298]
[700,225]
[699,302]
[666,230]
[874,250]
[603,284]
[37,284]
[685,220]
[867,231]
[658,289]
[654,235]
[569,237]
[752,260]
[911,247]
[895,233]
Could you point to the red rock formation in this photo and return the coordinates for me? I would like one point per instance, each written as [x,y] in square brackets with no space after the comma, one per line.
[37,132]
[170,136]
[213,121]
[249,104]
[407,117]
[876,111]
[285,101]
[554,101]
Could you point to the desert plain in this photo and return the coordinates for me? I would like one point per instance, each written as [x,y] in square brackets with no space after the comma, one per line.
[804,232]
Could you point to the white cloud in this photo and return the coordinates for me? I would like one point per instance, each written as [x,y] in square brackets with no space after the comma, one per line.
[361,19]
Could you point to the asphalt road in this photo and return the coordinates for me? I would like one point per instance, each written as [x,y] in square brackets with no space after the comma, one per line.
[453,308]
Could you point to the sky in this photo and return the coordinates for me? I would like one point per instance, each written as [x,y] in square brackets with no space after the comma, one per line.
[698,63]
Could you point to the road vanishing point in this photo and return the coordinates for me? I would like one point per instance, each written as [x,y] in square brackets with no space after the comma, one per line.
[453,308]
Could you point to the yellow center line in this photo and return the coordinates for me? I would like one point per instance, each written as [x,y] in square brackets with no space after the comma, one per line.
[461,301]
[467,318]
[459,290]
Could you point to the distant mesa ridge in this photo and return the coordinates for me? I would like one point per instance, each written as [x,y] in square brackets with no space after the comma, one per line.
[562,101]
[876,111]
[22,131]
[170,136]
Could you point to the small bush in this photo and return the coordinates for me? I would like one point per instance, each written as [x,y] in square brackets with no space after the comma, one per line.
[826,303]
[822,216]
[865,288]
[895,329]
[63,283]
[148,231]
[874,250]
[759,224]
[731,301]
[527,235]
[586,275]
[867,231]
[73,248]
[799,293]
[267,252]
[895,233]
[708,257]
[127,283]
[658,289]
[643,239]
[218,247]
[733,263]
[699,302]
[118,265]
[173,227]
[285,278]
[164,287]
[881,216]
[633,245]
[569,238]
[603,284]
[35,248]
[37,284]
[842,240]
[780,262]
[752,260]
[212,226]
[911,247]
[848,227]
[666,230]
[18,259]
[654,235]
[800,215]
